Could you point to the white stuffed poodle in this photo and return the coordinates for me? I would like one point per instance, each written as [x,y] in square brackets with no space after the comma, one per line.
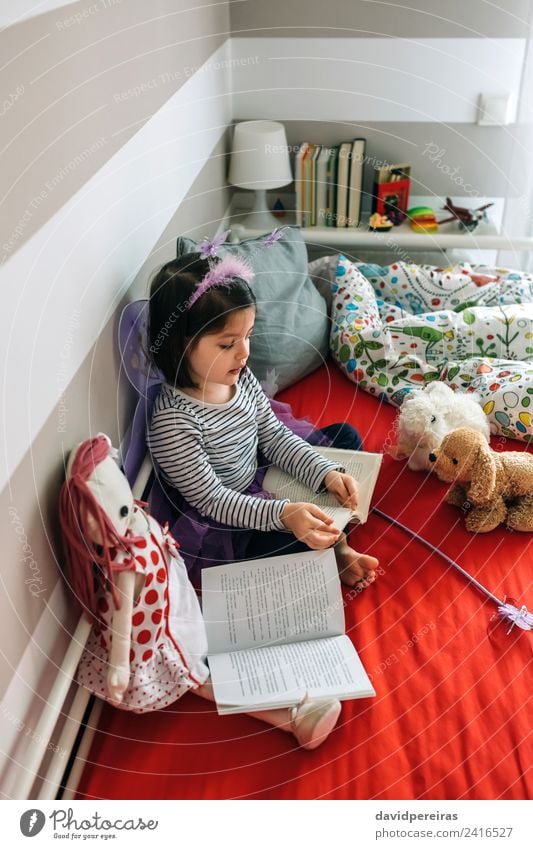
[427,415]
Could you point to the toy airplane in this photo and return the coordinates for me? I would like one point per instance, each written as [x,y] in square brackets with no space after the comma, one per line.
[468,218]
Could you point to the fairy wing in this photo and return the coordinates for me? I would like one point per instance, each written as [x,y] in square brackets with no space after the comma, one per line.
[145,378]
[133,347]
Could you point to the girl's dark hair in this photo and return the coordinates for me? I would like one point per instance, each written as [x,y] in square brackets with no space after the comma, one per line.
[172,326]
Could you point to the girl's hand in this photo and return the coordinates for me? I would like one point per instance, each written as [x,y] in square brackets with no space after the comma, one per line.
[343,487]
[310,524]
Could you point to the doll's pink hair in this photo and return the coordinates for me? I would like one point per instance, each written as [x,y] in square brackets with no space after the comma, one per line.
[76,504]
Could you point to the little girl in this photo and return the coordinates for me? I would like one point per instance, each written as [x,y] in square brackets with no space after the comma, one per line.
[211,418]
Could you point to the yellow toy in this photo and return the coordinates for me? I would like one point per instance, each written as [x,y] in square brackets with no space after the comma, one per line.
[422,219]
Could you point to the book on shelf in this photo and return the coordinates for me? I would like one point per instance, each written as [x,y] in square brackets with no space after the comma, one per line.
[305,188]
[392,184]
[343,171]
[321,186]
[362,465]
[302,189]
[307,214]
[329,183]
[331,186]
[299,182]
[314,165]
[276,633]
[355,193]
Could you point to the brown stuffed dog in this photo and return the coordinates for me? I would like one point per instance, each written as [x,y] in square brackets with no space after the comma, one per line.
[495,487]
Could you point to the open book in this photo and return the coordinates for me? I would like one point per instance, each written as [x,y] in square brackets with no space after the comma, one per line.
[361,465]
[275,629]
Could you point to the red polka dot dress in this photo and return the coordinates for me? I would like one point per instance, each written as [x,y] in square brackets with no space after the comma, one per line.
[168,637]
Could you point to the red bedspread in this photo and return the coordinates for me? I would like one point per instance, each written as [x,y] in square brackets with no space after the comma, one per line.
[452,717]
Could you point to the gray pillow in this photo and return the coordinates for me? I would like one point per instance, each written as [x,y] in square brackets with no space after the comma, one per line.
[323,272]
[292,327]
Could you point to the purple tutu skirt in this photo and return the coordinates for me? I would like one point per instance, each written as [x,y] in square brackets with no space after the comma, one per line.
[204,542]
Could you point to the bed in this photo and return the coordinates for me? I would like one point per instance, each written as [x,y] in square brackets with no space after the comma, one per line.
[452,715]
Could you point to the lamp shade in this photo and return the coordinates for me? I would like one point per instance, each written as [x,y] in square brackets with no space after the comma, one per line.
[260,156]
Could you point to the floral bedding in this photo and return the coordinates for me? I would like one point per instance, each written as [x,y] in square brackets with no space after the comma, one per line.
[396,328]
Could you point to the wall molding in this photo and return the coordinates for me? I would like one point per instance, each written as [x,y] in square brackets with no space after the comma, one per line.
[25,699]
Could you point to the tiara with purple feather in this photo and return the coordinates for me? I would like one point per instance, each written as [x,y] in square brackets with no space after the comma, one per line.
[228,268]
[224,271]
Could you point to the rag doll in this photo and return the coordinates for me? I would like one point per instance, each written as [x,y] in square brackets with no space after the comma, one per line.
[148,642]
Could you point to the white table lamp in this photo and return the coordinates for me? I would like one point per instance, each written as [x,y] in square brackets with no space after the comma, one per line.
[260,161]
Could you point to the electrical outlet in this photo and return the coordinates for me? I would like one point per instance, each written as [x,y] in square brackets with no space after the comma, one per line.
[494,110]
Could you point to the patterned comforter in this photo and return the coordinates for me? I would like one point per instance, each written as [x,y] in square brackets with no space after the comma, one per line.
[396,328]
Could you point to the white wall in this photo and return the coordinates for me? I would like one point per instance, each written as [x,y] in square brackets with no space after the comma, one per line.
[115,143]
[374,79]
[62,286]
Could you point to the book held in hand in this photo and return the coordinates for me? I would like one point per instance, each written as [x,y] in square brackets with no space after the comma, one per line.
[276,633]
[361,465]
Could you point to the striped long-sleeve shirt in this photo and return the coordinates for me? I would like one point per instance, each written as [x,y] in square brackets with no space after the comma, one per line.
[209,453]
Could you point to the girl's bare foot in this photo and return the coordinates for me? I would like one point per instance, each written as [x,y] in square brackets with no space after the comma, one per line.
[354,568]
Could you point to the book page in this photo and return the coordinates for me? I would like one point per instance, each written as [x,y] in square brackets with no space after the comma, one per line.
[361,465]
[280,676]
[273,600]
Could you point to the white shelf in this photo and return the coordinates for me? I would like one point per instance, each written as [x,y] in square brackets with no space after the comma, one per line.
[485,237]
